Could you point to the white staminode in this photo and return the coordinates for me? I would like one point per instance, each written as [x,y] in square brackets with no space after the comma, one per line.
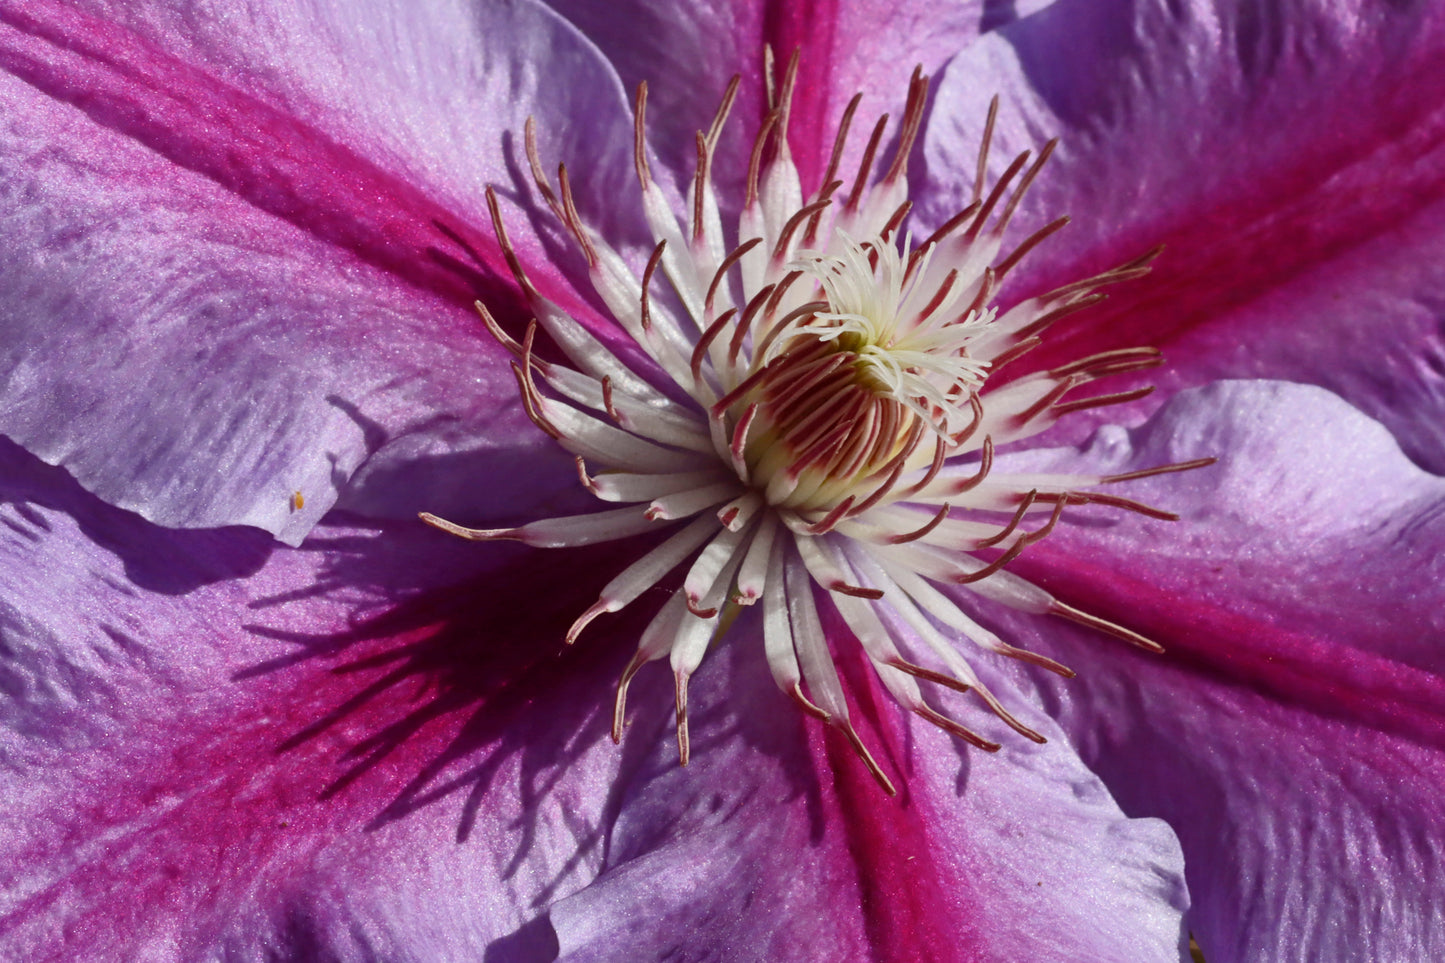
[909,338]
[841,432]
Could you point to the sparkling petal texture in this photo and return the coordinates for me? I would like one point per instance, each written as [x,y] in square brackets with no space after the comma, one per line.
[270,196]
[1300,713]
[208,755]
[978,853]
[865,46]
[1304,230]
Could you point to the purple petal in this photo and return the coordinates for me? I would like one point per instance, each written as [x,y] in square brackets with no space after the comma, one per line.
[776,844]
[1293,731]
[1289,158]
[209,751]
[215,747]
[686,52]
[248,242]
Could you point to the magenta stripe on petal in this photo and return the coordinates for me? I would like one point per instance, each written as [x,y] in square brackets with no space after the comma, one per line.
[265,156]
[1248,172]
[916,906]
[810,27]
[384,781]
[1240,250]
[1292,665]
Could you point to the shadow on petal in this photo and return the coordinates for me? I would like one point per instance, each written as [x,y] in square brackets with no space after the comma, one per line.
[165,561]
[477,672]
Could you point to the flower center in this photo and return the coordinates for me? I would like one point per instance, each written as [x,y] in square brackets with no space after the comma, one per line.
[837,447]
[862,384]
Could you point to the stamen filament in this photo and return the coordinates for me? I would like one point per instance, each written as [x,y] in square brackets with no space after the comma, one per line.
[823,379]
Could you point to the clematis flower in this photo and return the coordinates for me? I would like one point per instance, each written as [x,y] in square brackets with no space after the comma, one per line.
[247,238]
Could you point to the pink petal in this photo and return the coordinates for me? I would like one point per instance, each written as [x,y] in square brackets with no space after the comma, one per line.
[776,844]
[1289,158]
[244,239]
[211,750]
[1293,731]
[686,51]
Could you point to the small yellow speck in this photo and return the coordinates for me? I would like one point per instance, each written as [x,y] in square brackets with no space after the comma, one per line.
[298,501]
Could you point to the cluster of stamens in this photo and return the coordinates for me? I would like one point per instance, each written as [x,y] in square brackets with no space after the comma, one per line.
[841,414]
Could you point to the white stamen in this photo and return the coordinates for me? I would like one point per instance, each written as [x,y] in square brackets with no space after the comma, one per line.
[840,397]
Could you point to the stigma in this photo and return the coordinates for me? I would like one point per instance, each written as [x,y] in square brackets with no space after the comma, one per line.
[815,420]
